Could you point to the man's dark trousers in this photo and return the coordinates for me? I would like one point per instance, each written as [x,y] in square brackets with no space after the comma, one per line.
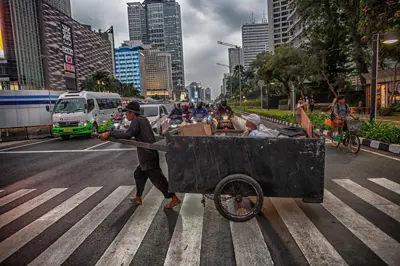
[156,177]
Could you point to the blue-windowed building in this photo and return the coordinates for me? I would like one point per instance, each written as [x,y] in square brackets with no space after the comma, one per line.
[129,65]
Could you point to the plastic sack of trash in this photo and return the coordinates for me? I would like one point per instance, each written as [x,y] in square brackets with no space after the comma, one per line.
[265,132]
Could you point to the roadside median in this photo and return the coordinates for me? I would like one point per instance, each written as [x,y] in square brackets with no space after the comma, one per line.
[380,135]
[25,133]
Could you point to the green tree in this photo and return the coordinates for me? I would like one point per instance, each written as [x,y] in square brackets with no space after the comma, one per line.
[104,81]
[332,28]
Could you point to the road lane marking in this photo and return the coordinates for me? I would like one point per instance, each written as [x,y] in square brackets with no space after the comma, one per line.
[66,151]
[249,244]
[22,209]
[1,191]
[25,145]
[60,250]
[96,145]
[185,245]
[16,195]
[386,183]
[382,204]
[380,243]
[312,243]
[124,247]
[383,155]
[16,241]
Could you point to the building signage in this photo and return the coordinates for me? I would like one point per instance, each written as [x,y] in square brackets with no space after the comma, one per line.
[69,67]
[66,35]
[67,48]
[69,59]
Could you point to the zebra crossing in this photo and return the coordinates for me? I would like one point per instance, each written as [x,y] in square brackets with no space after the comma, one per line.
[189,241]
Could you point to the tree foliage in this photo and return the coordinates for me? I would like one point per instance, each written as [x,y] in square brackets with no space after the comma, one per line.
[103,81]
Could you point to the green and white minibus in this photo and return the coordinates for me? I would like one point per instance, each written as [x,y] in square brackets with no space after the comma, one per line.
[84,113]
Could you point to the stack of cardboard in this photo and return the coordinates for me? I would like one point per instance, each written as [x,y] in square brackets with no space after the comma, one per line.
[200,129]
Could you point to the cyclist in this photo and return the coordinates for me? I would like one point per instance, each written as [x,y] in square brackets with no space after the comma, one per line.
[340,113]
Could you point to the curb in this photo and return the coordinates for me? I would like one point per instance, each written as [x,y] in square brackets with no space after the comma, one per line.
[374,144]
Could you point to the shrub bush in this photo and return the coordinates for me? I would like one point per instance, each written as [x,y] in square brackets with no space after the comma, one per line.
[386,111]
[386,132]
[246,103]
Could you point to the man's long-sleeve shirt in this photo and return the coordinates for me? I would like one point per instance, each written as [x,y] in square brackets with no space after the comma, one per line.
[141,130]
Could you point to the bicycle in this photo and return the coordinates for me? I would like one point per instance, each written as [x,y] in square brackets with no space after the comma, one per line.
[349,137]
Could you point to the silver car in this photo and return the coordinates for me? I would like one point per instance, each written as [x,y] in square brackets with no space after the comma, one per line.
[157,115]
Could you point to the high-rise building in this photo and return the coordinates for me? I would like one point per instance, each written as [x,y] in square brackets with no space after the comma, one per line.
[173,42]
[208,94]
[130,65]
[158,72]
[278,13]
[234,55]
[58,53]
[61,5]
[137,22]
[161,20]
[296,28]
[255,40]
[225,81]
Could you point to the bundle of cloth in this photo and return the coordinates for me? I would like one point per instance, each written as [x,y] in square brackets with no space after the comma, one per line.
[254,128]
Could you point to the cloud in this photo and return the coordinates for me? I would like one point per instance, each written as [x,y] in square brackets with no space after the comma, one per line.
[204,22]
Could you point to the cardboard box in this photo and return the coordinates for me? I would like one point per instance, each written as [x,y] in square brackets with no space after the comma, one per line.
[199,129]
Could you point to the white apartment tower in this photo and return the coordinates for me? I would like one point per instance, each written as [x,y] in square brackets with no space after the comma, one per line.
[234,58]
[255,40]
[296,27]
[279,24]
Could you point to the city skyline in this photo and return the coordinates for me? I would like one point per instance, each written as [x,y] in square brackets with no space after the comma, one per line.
[200,35]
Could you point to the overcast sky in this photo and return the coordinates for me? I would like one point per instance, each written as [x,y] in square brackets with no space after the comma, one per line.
[204,23]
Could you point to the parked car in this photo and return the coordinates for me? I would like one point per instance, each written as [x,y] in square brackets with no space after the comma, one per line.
[157,115]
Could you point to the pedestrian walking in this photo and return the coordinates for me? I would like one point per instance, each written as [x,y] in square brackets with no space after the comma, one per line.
[149,162]
[312,103]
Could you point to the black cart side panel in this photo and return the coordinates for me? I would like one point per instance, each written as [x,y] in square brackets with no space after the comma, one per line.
[283,167]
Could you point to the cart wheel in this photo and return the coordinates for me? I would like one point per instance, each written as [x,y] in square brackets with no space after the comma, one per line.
[238,197]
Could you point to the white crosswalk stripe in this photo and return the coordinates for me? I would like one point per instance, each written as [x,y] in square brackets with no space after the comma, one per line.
[60,250]
[26,234]
[375,200]
[14,196]
[187,243]
[386,183]
[383,245]
[315,247]
[29,205]
[124,247]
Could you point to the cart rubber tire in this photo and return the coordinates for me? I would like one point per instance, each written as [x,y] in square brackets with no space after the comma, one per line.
[243,178]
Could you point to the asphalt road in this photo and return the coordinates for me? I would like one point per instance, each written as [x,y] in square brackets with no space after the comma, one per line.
[64,202]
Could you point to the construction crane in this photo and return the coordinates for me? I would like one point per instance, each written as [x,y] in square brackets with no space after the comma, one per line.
[228,44]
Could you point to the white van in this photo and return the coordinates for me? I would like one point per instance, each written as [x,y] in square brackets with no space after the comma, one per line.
[84,113]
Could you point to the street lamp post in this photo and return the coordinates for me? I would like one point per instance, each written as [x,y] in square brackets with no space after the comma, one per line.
[387,38]
[240,66]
